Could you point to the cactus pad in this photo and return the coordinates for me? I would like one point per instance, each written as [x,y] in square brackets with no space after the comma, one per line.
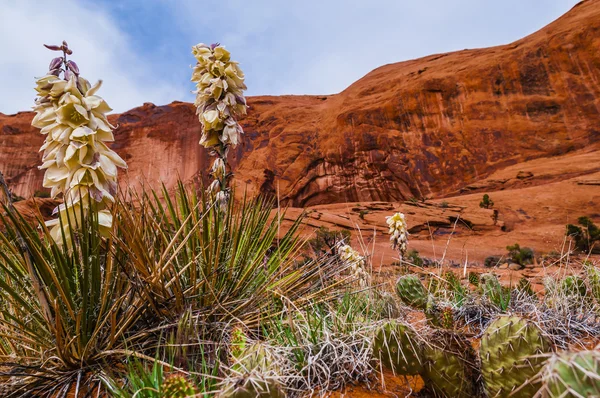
[508,351]
[411,291]
[449,365]
[397,347]
[572,374]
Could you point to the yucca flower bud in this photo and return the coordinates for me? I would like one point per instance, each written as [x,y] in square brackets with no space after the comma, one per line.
[398,232]
[79,165]
[219,101]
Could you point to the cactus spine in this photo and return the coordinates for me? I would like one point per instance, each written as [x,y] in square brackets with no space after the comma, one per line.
[509,352]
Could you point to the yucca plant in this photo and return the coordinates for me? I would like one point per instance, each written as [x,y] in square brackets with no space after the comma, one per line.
[64,311]
[185,252]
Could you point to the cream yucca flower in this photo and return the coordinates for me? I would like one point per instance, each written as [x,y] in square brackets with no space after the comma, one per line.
[78,163]
[355,262]
[398,232]
[219,101]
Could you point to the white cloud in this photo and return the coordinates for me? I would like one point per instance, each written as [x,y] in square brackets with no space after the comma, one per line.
[100,49]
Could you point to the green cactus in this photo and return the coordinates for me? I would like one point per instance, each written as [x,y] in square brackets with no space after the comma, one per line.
[397,347]
[572,374]
[448,365]
[177,386]
[574,286]
[593,279]
[256,357]
[498,295]
[447,318]
[411,291]
[474,278]
[432,312]
[524,286]
[509,352]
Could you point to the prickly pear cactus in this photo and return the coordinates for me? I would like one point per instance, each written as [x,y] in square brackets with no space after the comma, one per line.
[573,286]
[251,385]
[238,342]
[448,365]
[411,291]
[397,347]
[494,291]
[257,357]
[473,278]
[177,386]
[447,318]
[433,312]
[572,374]
[524,286]
[593,279]
[509,352]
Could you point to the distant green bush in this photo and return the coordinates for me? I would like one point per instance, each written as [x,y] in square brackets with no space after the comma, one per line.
[486,202]
[520,255]
[585,235]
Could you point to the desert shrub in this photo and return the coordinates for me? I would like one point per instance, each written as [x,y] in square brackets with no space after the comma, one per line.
[520,255]
[492,261]
[486,202]
[585,235]
[327,241]
[444,205]
[362,214]
[414,258]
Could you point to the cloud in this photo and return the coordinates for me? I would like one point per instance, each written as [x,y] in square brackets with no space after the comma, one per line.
[101,50]
[323,46]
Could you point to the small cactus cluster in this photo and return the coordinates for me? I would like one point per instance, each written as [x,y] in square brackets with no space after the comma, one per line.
[177,386]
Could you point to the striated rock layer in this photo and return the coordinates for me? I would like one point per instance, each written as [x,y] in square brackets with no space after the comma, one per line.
[422,128]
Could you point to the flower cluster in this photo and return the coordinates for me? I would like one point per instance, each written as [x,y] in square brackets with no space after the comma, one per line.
[219,101]
[398,232]
[355,262]
[78,163]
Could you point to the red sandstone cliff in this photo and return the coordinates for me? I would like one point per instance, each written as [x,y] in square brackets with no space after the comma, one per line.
[420,128]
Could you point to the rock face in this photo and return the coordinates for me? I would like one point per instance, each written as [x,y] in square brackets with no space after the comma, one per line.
[421,128]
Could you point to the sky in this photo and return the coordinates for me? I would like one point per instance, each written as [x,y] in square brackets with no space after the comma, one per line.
[141,49]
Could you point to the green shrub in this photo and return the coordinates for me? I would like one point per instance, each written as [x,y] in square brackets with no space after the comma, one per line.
[326,241]
[486,202]
[585,235]
[519,255]
[414,258]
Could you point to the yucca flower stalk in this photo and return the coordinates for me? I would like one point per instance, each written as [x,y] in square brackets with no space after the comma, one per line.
[219,101]
[398,233]
[79,165]
[355,262]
